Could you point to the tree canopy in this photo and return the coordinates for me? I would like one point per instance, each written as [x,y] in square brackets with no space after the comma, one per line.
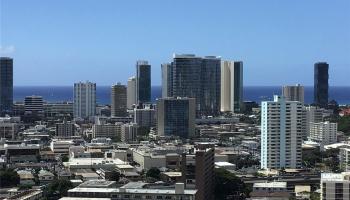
[8,178]
[229,186]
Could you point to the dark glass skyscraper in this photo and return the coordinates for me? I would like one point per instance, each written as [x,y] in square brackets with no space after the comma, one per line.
[210,86]
[143,82]
[238,87]
[176,116]
[6,85]
[198,78]
[321,83]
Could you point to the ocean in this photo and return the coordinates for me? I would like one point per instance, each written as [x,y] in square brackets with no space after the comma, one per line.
[251,93]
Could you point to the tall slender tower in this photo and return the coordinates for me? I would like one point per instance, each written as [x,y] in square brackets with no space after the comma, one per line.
[231,86]
[118,100]
[143,82]
[84,99]
[131,92]
[238,87]
[281,133]
[321,83]
[167,80]
[6,85]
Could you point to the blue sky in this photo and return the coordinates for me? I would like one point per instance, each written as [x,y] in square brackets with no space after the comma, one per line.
[60,42]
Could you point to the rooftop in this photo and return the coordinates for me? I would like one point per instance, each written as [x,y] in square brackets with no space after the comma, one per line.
[271,185]
[127,190]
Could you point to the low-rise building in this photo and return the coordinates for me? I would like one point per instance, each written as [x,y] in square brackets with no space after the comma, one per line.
[335,186]
[179,192]
[270,190]
[106,130]
[61,146]
[25,177]
[9,127]
[45,176]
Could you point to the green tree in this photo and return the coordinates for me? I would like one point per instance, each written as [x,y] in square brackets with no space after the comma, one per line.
[344,124]
[153,173]
[115,176]
[8,178]
[59,188]
[228,185]
[65,158]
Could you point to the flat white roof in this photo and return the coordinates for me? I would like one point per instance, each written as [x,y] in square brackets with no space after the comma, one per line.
[81,198]
[271,185]
[137,191]
[224,164]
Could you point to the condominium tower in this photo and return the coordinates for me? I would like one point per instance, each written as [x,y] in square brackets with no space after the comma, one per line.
[231,86]
[198,78]
[293,93]
[281,133]
[131,92]
[118,100]
[176,116]
[84,100]
[321,83]
[167,80]
[143,82]
[6,85]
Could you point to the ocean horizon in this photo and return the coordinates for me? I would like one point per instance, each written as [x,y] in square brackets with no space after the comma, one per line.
[53,94]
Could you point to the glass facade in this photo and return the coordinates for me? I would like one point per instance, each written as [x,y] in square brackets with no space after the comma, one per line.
[210,86]
[198,78]
[143,82]
[321,84]
[176,116]
[238,86]
[6,85]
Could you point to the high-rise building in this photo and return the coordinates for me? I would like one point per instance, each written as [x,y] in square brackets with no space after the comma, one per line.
[210,86]
[167,80]
[145,116]
[128,132]
[324,133]
[34,105]
[344,158]
[281,133]
[293,93]
[131,92]
[6,85]
[335,186]
[176,116]
[321,84]
[118,100]
[204,173]
[143,82]
[231,86]
[84,100]
[311,114]
[65,129]
[198,78]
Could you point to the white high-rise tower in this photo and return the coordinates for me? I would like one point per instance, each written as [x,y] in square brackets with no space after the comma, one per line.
[131,92]
[281,133]
[84,99]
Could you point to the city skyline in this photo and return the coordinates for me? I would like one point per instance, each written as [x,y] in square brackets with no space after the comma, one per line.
[103,47]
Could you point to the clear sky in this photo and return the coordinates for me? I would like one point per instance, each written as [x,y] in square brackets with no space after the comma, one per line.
[59,42]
